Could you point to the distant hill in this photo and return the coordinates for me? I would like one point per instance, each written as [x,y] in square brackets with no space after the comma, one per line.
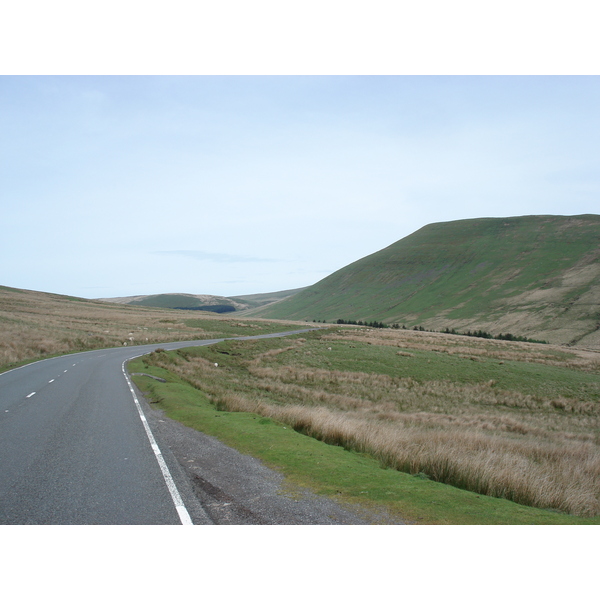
[204,302]
[255,300]
[537,276]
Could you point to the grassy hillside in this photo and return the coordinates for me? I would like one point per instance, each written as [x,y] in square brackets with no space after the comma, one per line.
[205,302]
[185,301]
[255,300]
[537,276]
[37,325]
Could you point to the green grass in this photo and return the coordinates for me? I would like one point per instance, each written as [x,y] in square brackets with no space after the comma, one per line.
[462,270]
[169,301]
[526,377]
[331,470]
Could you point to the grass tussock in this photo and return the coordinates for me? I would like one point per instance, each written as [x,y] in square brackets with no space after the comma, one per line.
[534,448]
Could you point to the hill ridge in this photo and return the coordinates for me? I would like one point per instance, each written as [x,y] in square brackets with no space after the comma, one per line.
[537,275]
[208,302]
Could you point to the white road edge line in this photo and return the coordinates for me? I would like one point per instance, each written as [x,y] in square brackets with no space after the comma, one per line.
[177,501]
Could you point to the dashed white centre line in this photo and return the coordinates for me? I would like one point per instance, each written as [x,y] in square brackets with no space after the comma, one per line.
[51,381]
[29,395]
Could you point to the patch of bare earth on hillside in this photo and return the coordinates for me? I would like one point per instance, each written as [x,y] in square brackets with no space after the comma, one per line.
[573,279]
[564,310]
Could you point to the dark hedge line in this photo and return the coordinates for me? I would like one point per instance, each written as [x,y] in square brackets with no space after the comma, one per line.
[479,333]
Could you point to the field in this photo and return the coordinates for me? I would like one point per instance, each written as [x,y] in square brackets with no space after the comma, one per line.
[511,426]
[37,325]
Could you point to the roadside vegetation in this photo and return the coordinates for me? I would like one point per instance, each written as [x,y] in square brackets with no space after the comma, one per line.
[513,424]
[36,325]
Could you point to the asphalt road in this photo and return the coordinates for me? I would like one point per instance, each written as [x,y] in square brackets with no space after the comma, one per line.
[76,448]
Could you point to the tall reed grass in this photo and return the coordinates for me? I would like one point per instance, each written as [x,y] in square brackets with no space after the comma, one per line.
[538,451]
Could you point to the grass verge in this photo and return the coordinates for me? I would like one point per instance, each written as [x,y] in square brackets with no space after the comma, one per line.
[329,469]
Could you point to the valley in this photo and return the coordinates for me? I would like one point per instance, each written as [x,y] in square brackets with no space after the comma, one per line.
[403,416]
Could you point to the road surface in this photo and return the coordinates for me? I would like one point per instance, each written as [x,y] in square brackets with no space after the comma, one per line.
[76,448]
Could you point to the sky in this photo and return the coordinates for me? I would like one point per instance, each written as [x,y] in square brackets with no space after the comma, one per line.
[231,185]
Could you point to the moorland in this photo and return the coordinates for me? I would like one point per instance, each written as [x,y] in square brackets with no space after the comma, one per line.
[509,428]
[409,416]
[36,325]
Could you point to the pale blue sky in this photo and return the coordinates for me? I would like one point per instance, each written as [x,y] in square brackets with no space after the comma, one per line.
[119,185]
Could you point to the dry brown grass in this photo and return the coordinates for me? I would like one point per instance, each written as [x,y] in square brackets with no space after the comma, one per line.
[35,324]
[539,451]
[475,348]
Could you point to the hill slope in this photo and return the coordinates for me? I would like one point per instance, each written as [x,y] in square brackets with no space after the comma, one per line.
[37,324]
[184,301]
[206,302]
[537,276]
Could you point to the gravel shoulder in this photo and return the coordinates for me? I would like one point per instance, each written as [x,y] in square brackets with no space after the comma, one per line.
[221,486]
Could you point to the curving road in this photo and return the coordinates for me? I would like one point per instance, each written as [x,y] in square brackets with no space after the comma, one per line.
[75,446]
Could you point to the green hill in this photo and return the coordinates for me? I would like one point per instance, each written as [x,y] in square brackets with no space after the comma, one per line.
[204,302]
[256,300]
[537,276]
